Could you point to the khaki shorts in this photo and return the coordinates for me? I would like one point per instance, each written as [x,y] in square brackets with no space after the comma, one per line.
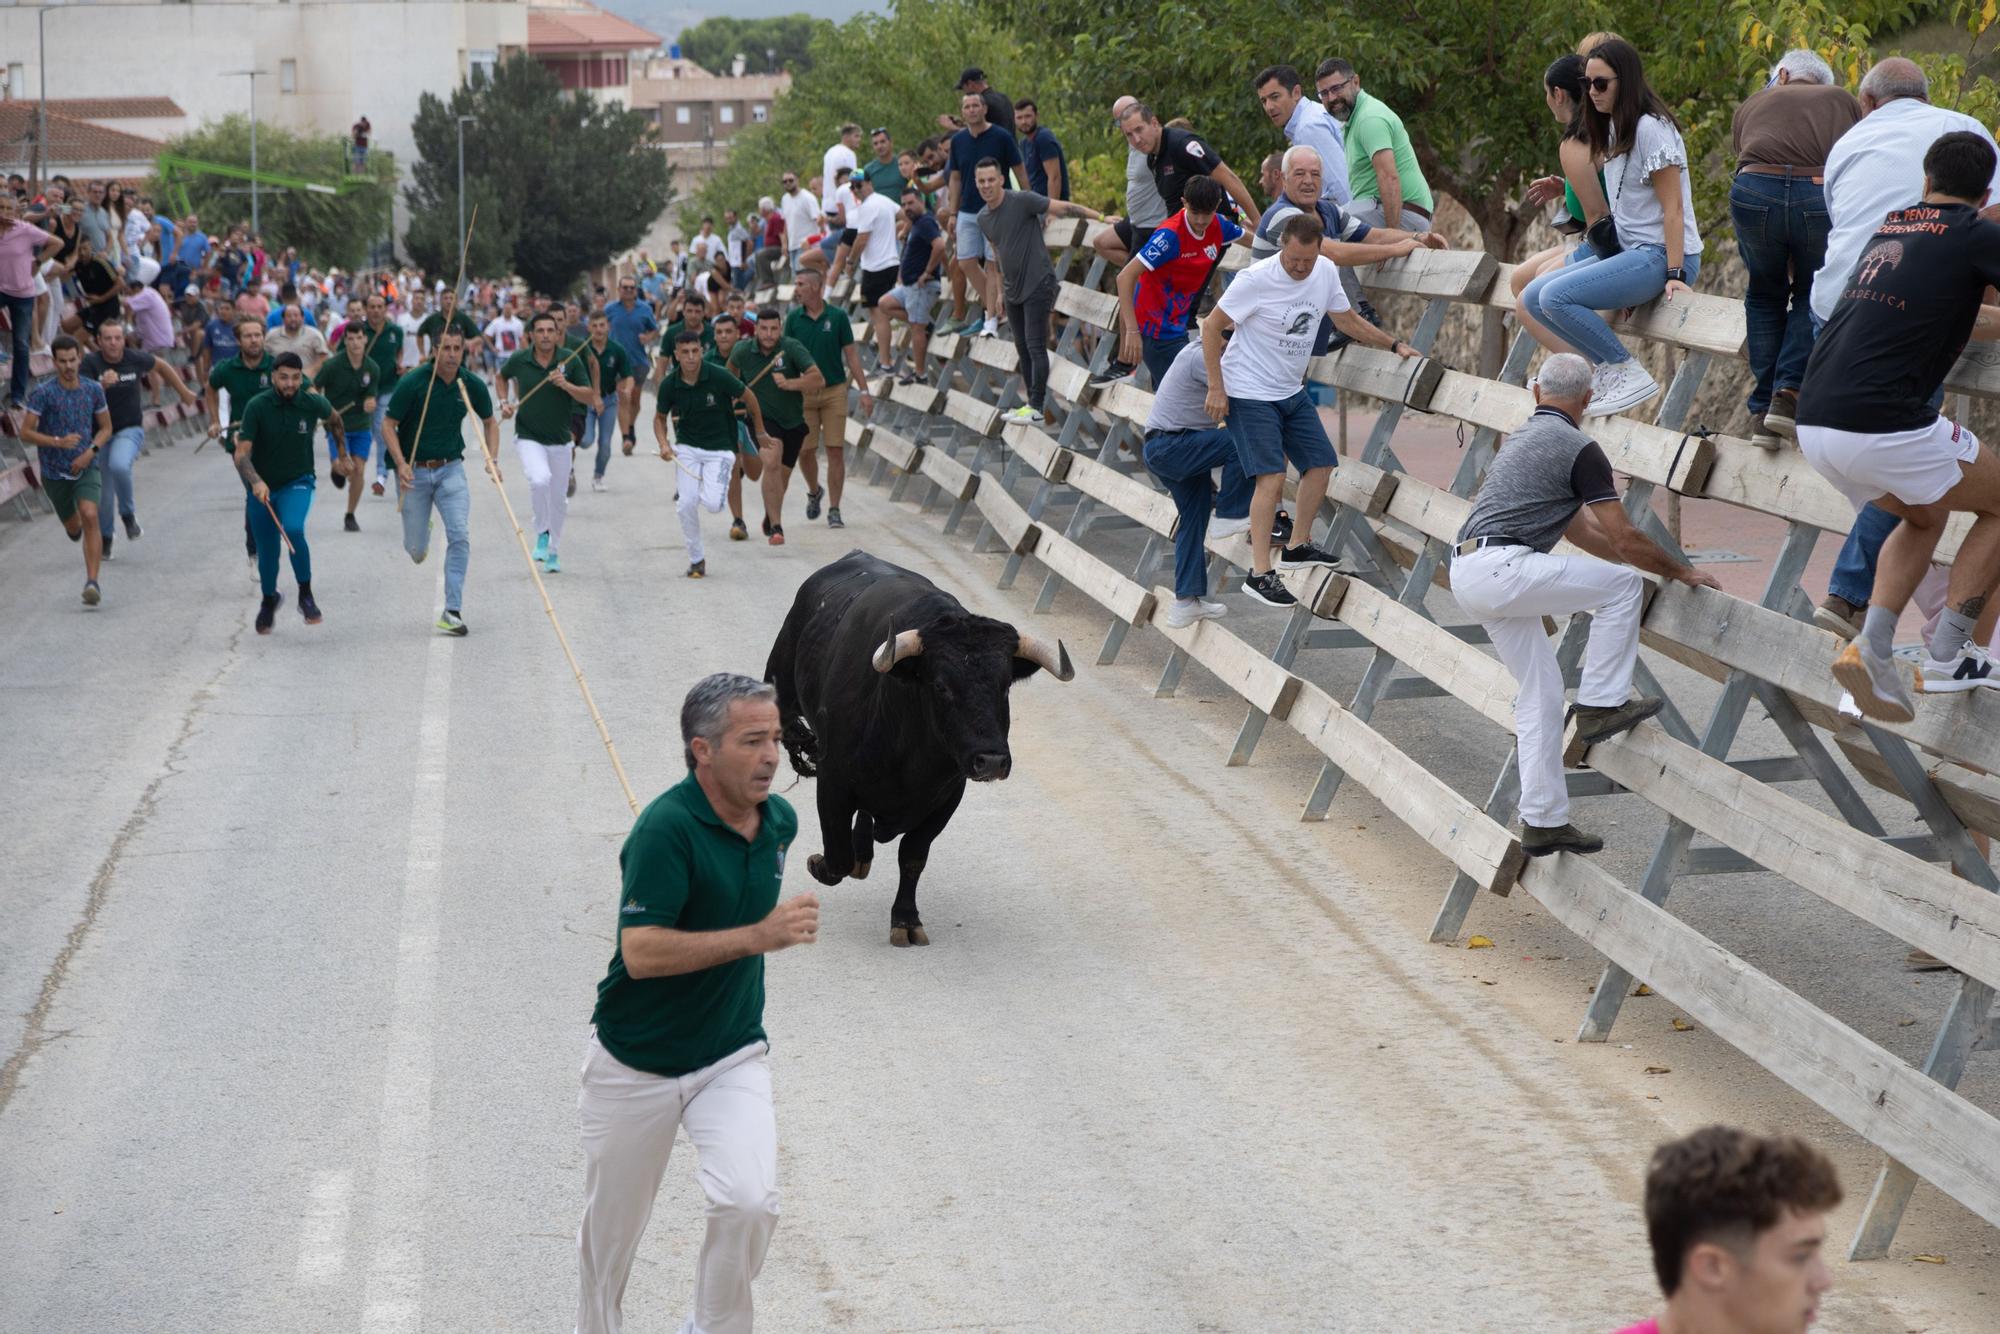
[826,417]
[66,496]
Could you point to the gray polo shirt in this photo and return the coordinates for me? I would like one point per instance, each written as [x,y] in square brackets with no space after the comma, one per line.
[1546,471]
[1143,204]
[1177,403]
[1013,228]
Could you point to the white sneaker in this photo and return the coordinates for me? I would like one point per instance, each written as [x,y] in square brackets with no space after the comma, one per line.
[1221,528]
[1971,669]
[1186,611]
[1625,385]
[597,484]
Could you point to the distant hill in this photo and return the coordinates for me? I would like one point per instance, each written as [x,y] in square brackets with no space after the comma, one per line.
[668,17]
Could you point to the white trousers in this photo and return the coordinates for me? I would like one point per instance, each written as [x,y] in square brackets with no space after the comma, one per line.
[629,1118]
[704,483]
[1508,590]
[547,469]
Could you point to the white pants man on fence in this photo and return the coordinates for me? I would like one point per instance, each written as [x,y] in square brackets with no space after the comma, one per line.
[1551,481]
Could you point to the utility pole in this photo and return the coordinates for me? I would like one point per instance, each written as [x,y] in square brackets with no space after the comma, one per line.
[256,212]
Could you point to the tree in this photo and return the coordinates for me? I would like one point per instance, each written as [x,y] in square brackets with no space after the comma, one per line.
[894,70]
[563,181]
[326,229]
[768,46]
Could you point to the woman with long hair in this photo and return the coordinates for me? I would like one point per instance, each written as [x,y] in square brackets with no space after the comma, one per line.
[120,208]
[1650,247]
[1580,183]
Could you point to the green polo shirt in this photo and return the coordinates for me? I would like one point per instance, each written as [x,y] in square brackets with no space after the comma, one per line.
[674,331]
[823,335]
[443,436]
[781,407]
[1372,128]
[280,433]
[704,412]
[348,388]
[433,324]
[544,414]
[685,869]
[242,383]
[886,177]
[613,364]
[385,349]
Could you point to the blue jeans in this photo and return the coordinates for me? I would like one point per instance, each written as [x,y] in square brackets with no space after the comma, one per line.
[1267,434]
[21,314]
[119,452]
[1853,576]
[1567,300]
[293,501]
[447,489]
[1781,226]
[1159,354]
[375,430]
[1183,460]
[603,426]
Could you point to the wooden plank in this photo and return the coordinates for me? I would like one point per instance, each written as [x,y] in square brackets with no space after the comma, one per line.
[1474,842]
[998,353]
[1916,902]
[975,416]
[1915,1120]
[1371,371]
[1102,584]
[1097,309]
[1010,522]
[1251,674]
[944,347]
[14,481]
[1318,591]
[1698,321]
[958,481]
[1124,493]
[1062,233]
[1363,487]
[1070,382]
[1038,449]
[1126,400]
[858,432]
[1475,678]
[1457,275]
[1973,797]
[899,453]
[919,397]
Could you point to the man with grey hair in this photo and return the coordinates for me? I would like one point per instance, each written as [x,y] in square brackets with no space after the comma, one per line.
[1144,209]
[1782,137]
[1550,481]
[678,1035]
[1876,168]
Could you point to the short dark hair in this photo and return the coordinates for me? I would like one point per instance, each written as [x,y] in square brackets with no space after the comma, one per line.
[685,337]
[1300,228]
[1286,75]
[355,327]
[992,162]
[538,317]
[971,74]
[1960,164]
[64,343]
[1202,194]
[287,361]
[1333,65]
[768,313]
[1725,1185]
[1027,102]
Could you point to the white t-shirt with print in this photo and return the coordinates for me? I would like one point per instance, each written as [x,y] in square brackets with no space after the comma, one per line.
[877,217]
[408,323]
[1277,318]
[506,333]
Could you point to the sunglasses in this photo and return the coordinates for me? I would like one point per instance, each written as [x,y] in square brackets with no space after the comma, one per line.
[1600,85]
[879,129]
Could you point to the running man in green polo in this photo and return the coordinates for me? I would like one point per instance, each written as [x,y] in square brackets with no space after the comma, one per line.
[350,380]
[274,456]
[781,372]
[545,397]
[447,316]
[242,377]
[749,459]
[423,431]
[700,398]
[385,349]
[614,372]
[824,331]
[678,1035]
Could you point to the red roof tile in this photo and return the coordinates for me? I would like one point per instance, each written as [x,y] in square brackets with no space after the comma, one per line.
[587,29]
[117,108]
[73,142]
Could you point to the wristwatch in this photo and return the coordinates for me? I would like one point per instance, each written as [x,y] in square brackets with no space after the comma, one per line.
[1677,275]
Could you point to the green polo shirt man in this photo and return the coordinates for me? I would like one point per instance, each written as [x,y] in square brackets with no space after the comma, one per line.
[385,344]
[1372,128]
[679,1038]
[704,412]
[443,434]
[435,323]
[349,387]
[274,456]
[425,441]
[543,416]
[280,432]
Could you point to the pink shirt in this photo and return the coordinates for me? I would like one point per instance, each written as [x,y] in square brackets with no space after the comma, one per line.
[155,322]
[18,245]
[1643,1327]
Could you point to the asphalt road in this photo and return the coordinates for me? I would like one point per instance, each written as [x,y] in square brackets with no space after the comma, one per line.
[299,937]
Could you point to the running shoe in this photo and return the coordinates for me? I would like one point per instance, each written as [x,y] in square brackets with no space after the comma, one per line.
[308,608]
[1876,683]
[1269,589]
[267,613]
[833,519]
[1617,388]
[108,538]
[553,566]
[451,623]
[698,570]
[541,546]
[1840,616]
[1221,529]
[132,529]
[350,524]
[909,377]
[1306,556]
[776,535]
[1024,413]
[766,523]
[92,594]
[597,484]
[813,499]
[631,443]
[1117,372]
[1186,612]
[1969,671]
[378,487]
[739,531]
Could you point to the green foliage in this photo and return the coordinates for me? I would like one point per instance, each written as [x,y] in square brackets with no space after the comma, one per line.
[768,46]
[326,229]
[562,182]
[895,70]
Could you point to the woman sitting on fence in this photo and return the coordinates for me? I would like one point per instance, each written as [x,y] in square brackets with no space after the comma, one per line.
[1580,183]
[1645,247]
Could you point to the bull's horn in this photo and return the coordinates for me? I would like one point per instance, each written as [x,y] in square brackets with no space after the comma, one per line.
[1053,661]
[908,644]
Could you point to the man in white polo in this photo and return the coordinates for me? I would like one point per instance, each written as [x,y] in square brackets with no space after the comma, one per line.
[1550,481]
[678,1040]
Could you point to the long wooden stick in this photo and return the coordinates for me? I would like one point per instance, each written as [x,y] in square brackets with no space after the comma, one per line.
[464,247]
[282,536]
[576,669]
[545,379]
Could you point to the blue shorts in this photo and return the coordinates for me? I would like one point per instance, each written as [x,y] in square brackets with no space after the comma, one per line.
[1267,434]
[359,443]
[971,241]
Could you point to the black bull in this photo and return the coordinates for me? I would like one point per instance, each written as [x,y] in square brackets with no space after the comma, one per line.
[894,695]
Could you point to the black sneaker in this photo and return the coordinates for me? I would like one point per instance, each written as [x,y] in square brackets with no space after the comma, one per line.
[908,377]
[1306,556]
[833,517]
[108,539]
[1270,590]
[1539,842]
[267,612]
[1117,372]
[698,570]
[308,608]
[132,528]
[1281,529]
[348,524]
[812,502]
[1601,722]
[739,531]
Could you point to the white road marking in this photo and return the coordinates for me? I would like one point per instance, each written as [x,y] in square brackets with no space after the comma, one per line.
[323,1234]
[394,1297]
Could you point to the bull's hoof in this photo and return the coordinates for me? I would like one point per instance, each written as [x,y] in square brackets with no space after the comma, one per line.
[860,871]
[917,936]
[817,865]
[899,936]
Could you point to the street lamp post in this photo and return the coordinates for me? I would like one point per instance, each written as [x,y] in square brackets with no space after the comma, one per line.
[461,174]
[256,215]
